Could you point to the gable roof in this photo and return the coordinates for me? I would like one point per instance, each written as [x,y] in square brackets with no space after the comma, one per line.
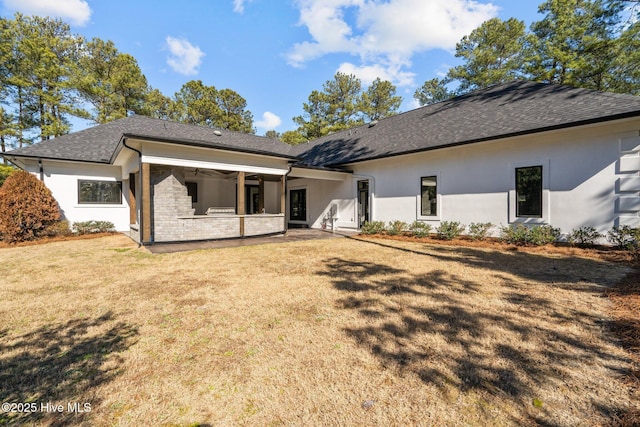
[500,111]
[100,144]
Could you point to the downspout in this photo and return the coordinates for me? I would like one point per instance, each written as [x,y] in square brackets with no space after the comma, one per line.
[286,186]
[41,168]
[141,218]
[372,192]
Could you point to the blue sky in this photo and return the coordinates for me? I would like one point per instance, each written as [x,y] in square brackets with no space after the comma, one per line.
[274,53]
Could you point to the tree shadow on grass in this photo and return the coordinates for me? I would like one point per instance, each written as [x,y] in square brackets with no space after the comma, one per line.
[60,364]
[523,265]
[522,342]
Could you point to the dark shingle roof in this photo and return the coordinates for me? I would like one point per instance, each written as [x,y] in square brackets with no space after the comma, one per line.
[500,111]
[99,144]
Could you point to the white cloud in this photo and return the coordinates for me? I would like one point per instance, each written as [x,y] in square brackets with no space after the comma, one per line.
[184,58]
[269,121]
[402,27]
[76,12]
[443,70]
[414,103]
[368,73]
[238,5]
[384,34]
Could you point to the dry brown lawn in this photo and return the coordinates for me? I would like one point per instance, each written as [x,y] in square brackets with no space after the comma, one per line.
[328,332]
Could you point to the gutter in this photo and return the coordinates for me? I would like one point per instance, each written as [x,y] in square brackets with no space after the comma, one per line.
[141,219]
[10,156]
[209,145]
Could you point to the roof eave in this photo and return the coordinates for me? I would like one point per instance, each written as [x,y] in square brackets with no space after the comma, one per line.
[8,155]
[321,168]
[196,143]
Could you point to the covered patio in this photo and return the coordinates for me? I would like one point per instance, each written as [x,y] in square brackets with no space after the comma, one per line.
[196,202]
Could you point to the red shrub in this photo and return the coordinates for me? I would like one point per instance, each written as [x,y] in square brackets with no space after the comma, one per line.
[27,208]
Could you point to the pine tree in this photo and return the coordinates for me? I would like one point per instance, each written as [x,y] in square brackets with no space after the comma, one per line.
[342,105]
[379,100]
[110,81]
[492,54]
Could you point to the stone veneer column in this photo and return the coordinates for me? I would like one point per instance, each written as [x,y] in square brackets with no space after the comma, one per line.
[170,201]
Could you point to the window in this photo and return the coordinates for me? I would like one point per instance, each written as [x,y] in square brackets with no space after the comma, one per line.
[192,191]
[429,193]
[298,205]
[529,192]
[99,192]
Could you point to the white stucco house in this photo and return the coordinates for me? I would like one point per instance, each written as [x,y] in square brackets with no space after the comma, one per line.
[518,152]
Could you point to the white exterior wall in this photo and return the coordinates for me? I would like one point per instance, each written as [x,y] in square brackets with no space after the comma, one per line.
[476,183]
[220,192]
[213,192]
[321,195]
[62,179]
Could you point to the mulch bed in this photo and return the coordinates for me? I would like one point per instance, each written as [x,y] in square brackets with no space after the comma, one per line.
[45,240]
[625,298]
[605,253]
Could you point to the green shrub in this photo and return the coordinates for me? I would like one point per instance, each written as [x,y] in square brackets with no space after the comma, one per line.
[5,171]
[624,237]
[520,234]
[396,227]
[90,227]
[584,236]
[419,228]
[59,228]
[449,230]
[374,227]
[516,234]
[479,230]
[544,235]
[27,208]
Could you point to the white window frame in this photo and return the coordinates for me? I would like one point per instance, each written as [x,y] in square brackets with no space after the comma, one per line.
[546,194]
[101,204]
[438,214]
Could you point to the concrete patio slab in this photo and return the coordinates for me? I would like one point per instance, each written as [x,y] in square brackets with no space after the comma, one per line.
[291,235]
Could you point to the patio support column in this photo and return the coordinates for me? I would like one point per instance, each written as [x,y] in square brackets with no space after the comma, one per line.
[261,194]
[240,200]
[283,194]
[146,203]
